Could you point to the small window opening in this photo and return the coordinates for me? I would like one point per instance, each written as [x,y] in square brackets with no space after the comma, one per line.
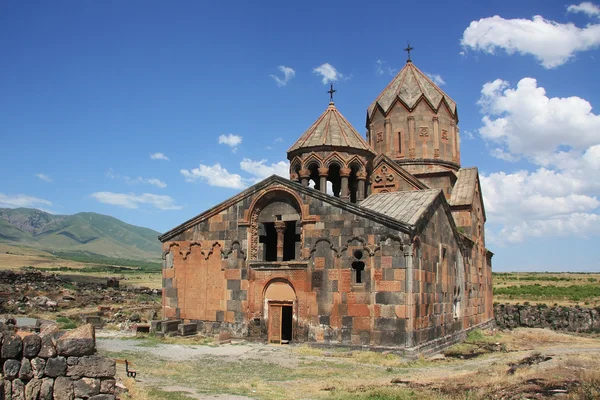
[278,217]
[290,238]
[359,268]
[399,142]
[269,240]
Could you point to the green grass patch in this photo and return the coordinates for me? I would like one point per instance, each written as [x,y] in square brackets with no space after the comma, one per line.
[542,292]
[155,393]
[66,323]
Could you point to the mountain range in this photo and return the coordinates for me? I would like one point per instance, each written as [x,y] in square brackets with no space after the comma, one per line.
[85,234]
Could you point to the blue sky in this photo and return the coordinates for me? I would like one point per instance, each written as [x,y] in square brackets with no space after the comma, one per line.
[89,91]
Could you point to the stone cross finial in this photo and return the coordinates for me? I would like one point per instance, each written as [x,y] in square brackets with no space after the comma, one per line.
[331,91]
[408,49]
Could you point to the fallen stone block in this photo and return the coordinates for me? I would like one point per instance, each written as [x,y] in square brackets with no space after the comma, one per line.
[77,342]
[141,328]
[188,329]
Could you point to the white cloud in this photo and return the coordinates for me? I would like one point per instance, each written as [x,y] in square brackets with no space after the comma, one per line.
[44,177]
[130,200]
[288,73]
[529,123]
[133,181]
[561,138]
[261,170]
[588,8]
[156,182]
[21,200]
[231,140]
[214,175]
[383,68]
[436,78]
[328,73]
[159,156]
[468,135]
[551,43]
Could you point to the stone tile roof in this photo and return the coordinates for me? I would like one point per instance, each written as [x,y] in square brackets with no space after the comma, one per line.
[464,188]
[409,85]
[331,129]
[405,207]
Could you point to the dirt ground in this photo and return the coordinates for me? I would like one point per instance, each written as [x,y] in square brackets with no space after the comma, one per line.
[525,363]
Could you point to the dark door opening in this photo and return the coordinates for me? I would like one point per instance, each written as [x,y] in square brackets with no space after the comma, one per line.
[289,241]
[286,324]
[270,242]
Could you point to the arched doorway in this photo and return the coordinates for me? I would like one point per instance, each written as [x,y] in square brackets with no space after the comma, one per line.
[279,305]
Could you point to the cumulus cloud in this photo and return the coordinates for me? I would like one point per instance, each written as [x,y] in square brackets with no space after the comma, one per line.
[561,138]
[328,73]
[21,200]
[261,170]
[550,42]
[288,73]
[231,140]
[44,177]
[436,78]
[159,156]
[588,8]
[132,201]
[214,175]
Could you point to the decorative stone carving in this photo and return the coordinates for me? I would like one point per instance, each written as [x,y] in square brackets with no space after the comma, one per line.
[254,234]
[412,153]
[436,153]
[444,134]
[424,131]
[379,137]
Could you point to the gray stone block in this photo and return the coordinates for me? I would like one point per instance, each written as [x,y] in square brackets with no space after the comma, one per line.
[25,372]
[12,345]
[18,390]
[47,390]
[92,367]
[63,388]
[33,388]
[11,369]
[31,346]
[107,386]
[56,366]
[37,366]
[86,387]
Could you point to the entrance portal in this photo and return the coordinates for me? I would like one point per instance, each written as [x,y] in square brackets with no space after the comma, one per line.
[279,309]
[280,323]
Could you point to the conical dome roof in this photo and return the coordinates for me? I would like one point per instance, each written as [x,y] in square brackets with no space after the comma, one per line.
[409,85]
[331,129]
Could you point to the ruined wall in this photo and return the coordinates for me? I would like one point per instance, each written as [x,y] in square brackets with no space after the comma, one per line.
[570,319]
[54,365]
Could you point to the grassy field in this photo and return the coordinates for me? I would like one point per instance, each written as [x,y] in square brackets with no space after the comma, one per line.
[570,366]
[548,288]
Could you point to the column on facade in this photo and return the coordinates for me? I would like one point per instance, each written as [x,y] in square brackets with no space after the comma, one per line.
[361,176]
[371,135]
[304,176]
[323,172]
[280,229]
[345,173]
[436,137]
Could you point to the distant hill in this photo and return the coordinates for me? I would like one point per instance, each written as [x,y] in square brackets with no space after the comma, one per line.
[83,235]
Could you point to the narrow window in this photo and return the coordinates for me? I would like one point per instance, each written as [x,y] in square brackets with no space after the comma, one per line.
[399,142]
[358,267]
[290,239]
[269,241]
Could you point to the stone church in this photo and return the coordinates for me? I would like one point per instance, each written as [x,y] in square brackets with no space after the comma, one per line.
[376,242]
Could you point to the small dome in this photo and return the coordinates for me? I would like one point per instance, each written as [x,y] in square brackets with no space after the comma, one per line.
[331,129]
[409,85]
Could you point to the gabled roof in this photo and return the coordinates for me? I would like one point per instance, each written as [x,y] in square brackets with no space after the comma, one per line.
[463,192]
[331,129]
[382,158]
[410,85]
[277,180]
[407,206]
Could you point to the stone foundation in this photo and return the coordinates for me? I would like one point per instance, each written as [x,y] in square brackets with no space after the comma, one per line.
[54,365]
[568,319]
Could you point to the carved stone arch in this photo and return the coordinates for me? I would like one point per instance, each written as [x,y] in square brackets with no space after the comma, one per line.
[212,250]
[334,158]
[270,195]
[188,251]
[281,281]
[234,245]
[168,250]
[357,161]
[319,240]
[344,248]
[312,158]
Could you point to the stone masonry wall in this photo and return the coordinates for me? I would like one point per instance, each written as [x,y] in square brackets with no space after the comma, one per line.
[570,319]
[54,365]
